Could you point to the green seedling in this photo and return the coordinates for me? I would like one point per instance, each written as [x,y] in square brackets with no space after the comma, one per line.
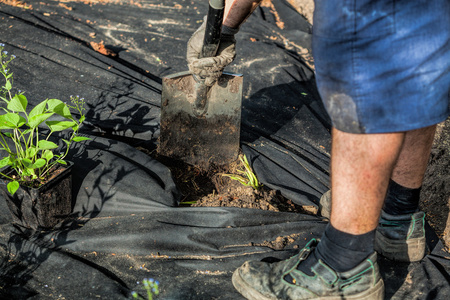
[31,155]
[246,177]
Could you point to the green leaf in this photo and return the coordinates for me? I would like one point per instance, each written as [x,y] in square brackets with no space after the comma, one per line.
[36,120]
[59,125]
[80,138]
[27,163]
[26,172]
[52,103]
[13,186]
[60,161]
[8,85]
[67,142]
[31,152]
[18,103]
[4,162]
[60,108]
[46,145]
[82,118]
[27,131]
[47,154]
[38,109]
[39,163]
[22,121]
[11,121]
[7,134]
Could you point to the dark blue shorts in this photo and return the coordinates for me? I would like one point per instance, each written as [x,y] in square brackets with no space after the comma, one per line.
[383,66]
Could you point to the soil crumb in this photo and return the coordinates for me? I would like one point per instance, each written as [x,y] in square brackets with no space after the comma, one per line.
[280,242]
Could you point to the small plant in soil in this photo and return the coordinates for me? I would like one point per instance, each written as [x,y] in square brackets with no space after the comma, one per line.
[33,156]
[246,176]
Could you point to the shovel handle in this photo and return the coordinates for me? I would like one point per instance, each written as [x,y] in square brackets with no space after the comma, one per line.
[210,45]
[214,21]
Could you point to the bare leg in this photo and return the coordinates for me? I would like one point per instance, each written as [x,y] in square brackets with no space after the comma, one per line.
[413,159]
[361,165]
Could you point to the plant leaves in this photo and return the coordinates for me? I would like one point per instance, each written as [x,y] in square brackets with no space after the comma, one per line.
[7,134]
[4,162]
[11,121]
[47,154]
[13,186]
[36,120]
[31,152]
[8,85]
[39,163]
[18,103]
[59,125]
[60,161]
[46,145]
[67,142]
[27,163]
[60,108]
[80,138]
[38,109]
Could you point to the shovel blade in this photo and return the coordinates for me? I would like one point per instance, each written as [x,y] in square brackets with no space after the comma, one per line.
[212,138]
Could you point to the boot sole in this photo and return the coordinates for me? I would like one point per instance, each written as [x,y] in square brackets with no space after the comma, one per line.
[374,293]
[400,250]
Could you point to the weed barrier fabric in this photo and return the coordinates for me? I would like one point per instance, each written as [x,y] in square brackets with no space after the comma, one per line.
[127,224]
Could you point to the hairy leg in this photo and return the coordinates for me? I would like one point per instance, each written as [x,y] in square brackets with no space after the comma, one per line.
[413,159]
[361,165]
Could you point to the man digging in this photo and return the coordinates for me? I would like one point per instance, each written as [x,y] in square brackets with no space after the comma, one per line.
[383,73]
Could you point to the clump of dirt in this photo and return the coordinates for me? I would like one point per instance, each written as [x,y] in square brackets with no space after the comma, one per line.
[231,193]
[210,188]
[280,242]
[102,49]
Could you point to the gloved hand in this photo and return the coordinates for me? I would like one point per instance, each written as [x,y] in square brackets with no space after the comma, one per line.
[211,68]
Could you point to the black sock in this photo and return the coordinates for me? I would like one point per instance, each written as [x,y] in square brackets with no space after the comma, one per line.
[401,200]
[339,250]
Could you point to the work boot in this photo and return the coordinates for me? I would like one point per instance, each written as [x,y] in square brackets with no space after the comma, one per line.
[400,238]
[257,280]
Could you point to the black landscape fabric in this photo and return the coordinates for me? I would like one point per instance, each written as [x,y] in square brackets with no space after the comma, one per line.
[127,224]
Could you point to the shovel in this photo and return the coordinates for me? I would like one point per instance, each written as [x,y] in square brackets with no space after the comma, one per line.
[200,125]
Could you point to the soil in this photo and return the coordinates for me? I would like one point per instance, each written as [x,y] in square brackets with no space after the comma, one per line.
[231,193]
[212,188]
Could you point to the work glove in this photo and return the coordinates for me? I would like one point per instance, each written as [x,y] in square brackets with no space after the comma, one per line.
[211,68]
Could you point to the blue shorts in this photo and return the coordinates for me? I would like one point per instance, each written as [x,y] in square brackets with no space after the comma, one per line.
[383,66]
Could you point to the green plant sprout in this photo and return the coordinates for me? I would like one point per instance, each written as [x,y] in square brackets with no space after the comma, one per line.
[151,286]
[31,155]
[249,178]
